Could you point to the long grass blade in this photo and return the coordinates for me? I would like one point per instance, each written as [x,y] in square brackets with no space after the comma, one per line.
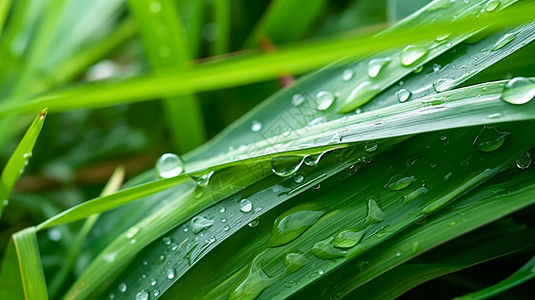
[19,159]
[31,267]
[252,68]
[5,6]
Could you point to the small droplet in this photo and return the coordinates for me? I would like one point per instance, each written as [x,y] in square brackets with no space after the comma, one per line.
[298,99]
[360,95]
[292,223]
[294,261]
[399,182]
[415,247]
[166,240]
[226,228]
[504,40]
[495,116]
[436,67]
[376,65]
[370,146]
[440,4]
[143,295]
[375,213]
[418,70]
[199,224]
[254,223]
[492,5]
[442,37]
[519,90]
[403,95]
[325,99]
[156,293]
[317,121]
[447,176]
[524,161]
[246,205]
[298,178]
[153,281]
[256,126]
[169,165]
[489,139]
[325,250]
[122,287]
[171,273]
[411,54]
[348,238]
[415,194]
[204,180]
[256,281]
[285,166]
[348,74]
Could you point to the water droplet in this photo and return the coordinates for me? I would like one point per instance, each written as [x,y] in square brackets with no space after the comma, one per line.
[254,223]
[226,228]
[156,292]
[403,95]
[415,247]
[285,166]
[153,281]
[376,65]
[204,180]
[399,182]
[370,146]
[325,99]
[132,232]
[348,238]
[348,74]
[360,95]
[418,70]
[161,259]
[317,121]
[298,178]
[169,165]
[295,260]
[171,273]
[199,224]
[524,161]
[447,176]
[415,194]
[495,116]
[375,213]
[436,67]
[492,5]
[112,296]
[256,281]
[312,161]
[246,205]
[143,295]
[292,223]
[504,40]
[489,139]
[442,37]
[519,90]
[440,4]
[122,287]
[166,240]
[256,126]
[411,54]
[325,250]
[298,99]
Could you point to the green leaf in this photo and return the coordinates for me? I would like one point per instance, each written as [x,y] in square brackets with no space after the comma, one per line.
[10,279]
[19,159]
[31,267]
[5,5]
[527,272]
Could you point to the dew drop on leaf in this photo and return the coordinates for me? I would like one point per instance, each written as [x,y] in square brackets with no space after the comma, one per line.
[376,65]
[143,295]
[256,281]
[489,139]
[246,205]
[440,4]
[171,273]
[375,213]
[254,223]
[524,161]
[256,126]
[415,194]
[325,250]
[169,165]
[370,146]
[412,54]
[295,260]
[285,166]
[361,94]
[122,287]
[348,74]
[199,224]
[298,99]
[292,223]
[504,40]
[519,90]
[403,95]
[348,238]
[325,99]
[492,5]
[399,182]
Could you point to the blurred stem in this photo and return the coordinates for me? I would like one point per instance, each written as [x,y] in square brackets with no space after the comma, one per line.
[222,21]
[57,281]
